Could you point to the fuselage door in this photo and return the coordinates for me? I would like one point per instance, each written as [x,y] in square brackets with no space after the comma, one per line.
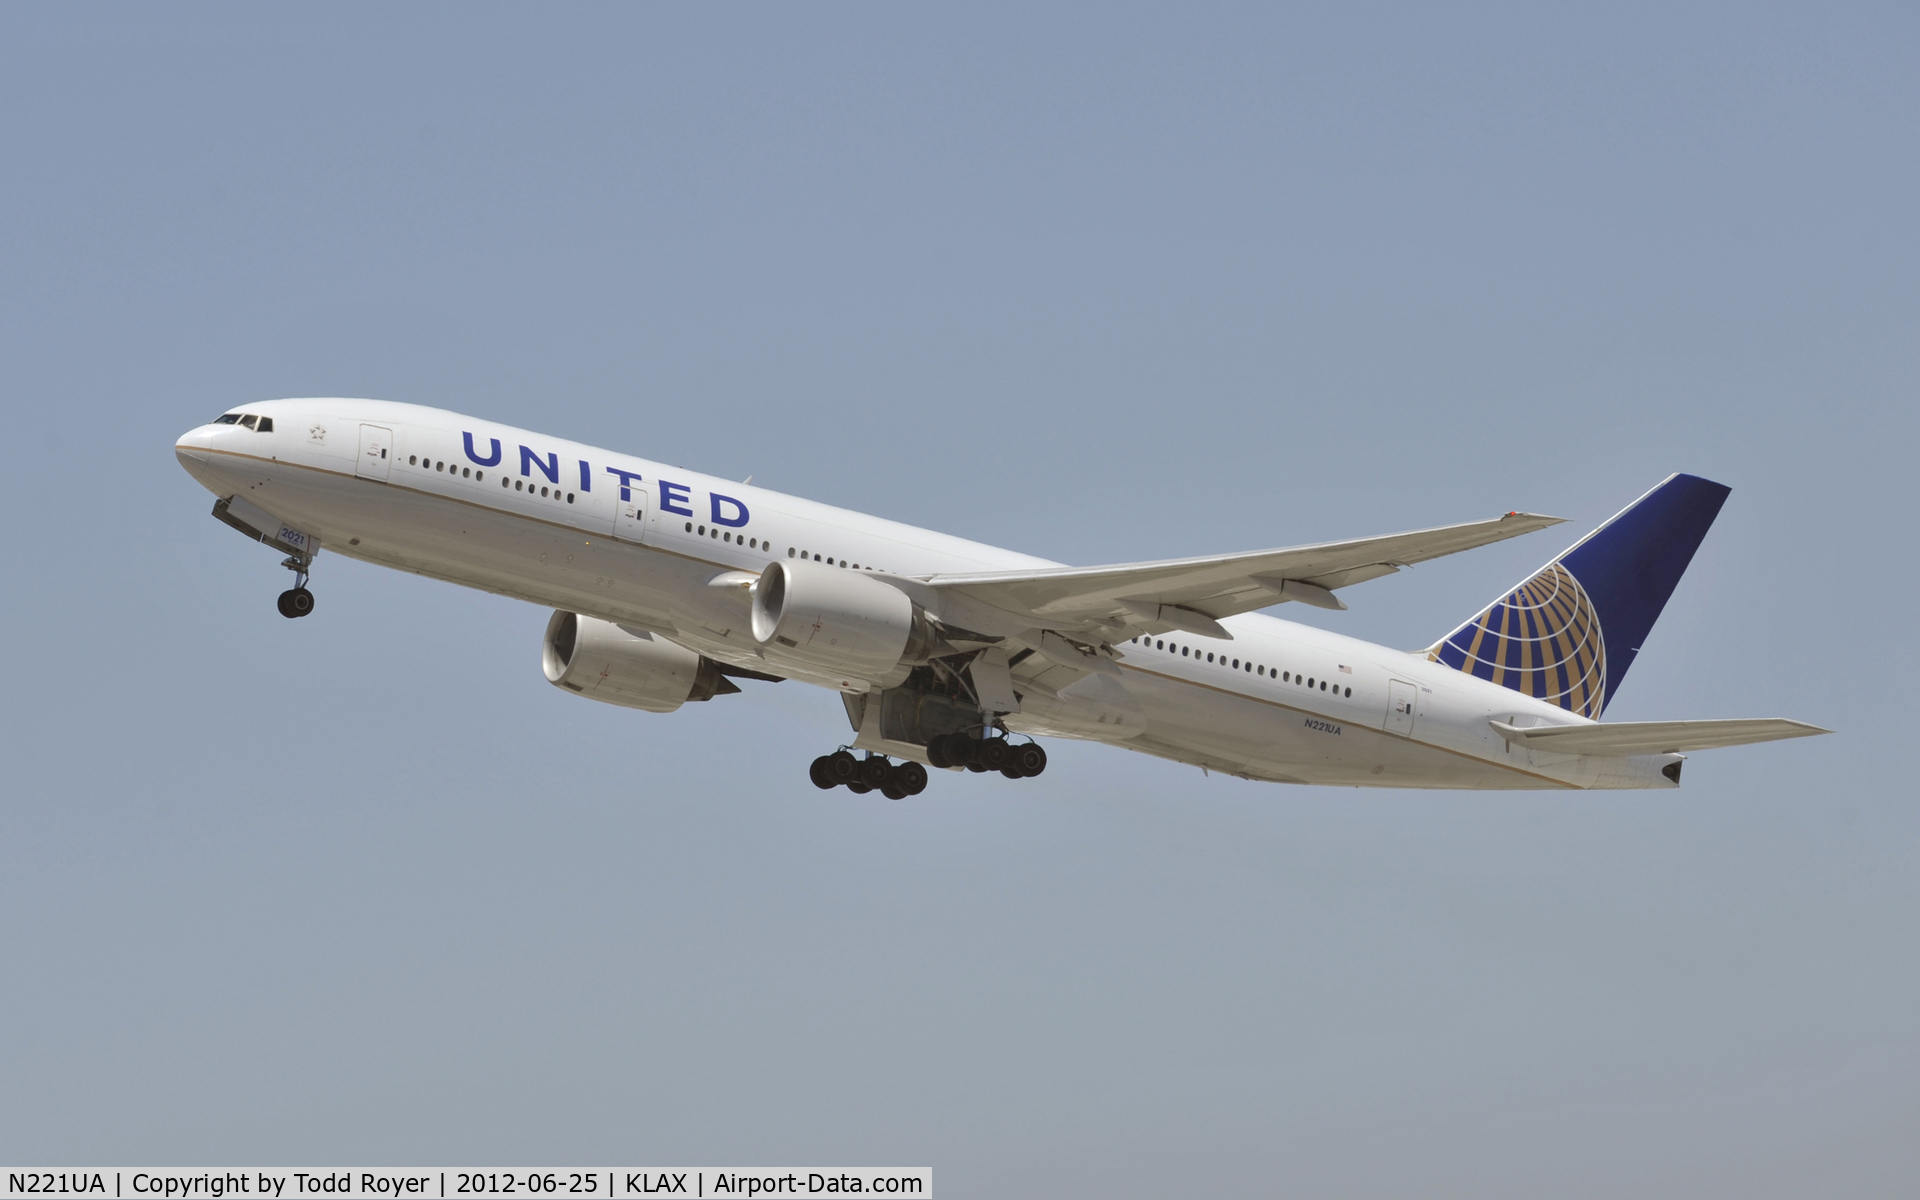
[376,449]
[1400,698]
[630,516]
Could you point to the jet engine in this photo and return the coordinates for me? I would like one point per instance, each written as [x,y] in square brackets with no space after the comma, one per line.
[834,622]
[614,665]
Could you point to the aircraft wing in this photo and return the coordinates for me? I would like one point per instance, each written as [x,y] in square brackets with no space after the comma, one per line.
[1190,593]
[1655,737]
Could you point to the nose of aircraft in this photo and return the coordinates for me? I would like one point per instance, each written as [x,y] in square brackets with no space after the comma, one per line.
[193,449]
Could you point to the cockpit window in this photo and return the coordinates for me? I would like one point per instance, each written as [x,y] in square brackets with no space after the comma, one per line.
[252,421]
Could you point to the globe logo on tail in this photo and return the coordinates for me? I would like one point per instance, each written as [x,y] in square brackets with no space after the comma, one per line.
[1542,639]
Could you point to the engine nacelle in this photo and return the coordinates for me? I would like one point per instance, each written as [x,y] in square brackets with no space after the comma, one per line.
[835,622]
[603,661]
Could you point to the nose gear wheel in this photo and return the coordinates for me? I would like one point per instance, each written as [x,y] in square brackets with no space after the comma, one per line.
[297,601]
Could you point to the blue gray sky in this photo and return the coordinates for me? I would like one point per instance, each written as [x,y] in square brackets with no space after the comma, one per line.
[1101,283]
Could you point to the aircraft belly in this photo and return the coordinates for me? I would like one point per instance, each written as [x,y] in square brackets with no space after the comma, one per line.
[1222,729]
[480,547]
[1225,731]
[1094,707]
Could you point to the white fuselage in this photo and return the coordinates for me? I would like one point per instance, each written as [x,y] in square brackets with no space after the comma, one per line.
[395,484]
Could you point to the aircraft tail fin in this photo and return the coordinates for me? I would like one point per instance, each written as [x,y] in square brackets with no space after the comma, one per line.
[1568,633]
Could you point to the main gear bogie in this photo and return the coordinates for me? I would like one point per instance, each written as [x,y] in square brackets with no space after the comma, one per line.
[896,781]
[1015,760]
[874,773]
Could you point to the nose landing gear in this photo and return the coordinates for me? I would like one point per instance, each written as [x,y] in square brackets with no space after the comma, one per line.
[297,601]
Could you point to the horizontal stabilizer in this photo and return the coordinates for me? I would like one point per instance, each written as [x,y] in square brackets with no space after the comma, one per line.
[1654,737]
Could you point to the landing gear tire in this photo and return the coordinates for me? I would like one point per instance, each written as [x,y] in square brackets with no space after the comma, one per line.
[956,748]
[842,767]
[994,754]
[910,778]
[819,773]
[874,773]
[1030,759]
[937,753]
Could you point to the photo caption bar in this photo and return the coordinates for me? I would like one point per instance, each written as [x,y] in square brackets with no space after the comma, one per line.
[447,1183]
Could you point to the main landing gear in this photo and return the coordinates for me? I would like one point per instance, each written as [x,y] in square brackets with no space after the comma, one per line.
[895,781]
[297,601]
[980,755]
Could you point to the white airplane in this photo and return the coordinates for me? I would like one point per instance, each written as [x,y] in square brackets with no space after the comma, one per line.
[667,585]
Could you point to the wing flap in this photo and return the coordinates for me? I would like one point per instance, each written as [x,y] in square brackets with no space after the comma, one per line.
[1626,738]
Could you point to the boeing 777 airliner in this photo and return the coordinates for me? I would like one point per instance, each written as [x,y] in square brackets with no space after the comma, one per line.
[667,585]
